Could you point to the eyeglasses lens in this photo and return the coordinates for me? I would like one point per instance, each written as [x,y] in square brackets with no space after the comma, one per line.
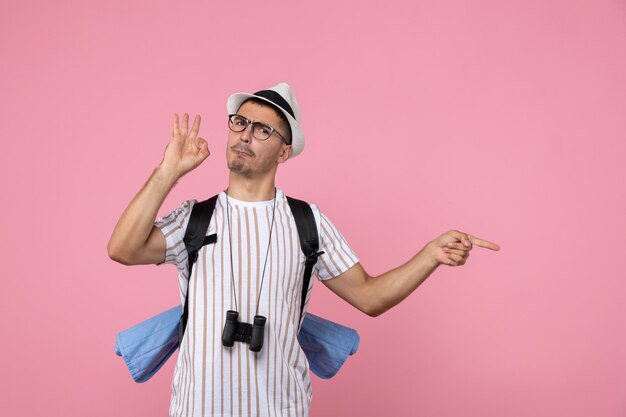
[259,130]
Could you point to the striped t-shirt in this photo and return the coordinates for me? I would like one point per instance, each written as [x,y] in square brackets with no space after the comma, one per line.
[213,380]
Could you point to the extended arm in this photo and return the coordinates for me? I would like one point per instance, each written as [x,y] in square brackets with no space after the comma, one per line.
[135,239]
[375,295]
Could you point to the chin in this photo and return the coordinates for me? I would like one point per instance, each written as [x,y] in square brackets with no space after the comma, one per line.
[239,168]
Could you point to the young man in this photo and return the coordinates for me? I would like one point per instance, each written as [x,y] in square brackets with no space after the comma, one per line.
[255,267]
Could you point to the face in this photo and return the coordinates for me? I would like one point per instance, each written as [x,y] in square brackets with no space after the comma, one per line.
[253,158]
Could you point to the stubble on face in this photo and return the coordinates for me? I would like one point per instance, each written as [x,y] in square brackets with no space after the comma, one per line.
[242,151]
[245,161]
[252,166]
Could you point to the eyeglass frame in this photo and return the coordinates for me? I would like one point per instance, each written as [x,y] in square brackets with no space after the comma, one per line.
[249,122]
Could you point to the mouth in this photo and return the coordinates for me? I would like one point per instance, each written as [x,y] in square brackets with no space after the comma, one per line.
[242,152]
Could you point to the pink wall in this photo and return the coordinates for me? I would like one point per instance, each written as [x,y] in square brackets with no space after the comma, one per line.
[517,134]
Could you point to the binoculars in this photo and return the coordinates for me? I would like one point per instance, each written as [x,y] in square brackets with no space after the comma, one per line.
[234,330]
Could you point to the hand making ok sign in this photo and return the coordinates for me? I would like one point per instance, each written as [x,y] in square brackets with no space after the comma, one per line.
[186,150]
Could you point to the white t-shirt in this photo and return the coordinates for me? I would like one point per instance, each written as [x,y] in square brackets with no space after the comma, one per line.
[213,380]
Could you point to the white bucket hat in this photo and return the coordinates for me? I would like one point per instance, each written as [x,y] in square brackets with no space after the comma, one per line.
[281,97]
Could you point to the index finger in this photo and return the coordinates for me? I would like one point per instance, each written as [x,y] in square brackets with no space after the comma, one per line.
[483,243]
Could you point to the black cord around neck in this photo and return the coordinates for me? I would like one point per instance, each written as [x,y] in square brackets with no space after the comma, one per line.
[230,245]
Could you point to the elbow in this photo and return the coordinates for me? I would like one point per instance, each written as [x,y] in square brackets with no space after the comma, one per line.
[116,254]
[375,313]
[372,313]
[374,310]
[371,302]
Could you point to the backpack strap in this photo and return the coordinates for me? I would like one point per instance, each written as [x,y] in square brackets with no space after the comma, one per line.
[194,239]
[309,241]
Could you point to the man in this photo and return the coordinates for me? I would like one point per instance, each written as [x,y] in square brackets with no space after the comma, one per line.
[255,267]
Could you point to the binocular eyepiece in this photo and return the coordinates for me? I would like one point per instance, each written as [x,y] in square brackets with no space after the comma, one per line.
[234,330]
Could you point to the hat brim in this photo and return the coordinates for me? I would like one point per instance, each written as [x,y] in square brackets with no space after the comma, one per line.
[297,136]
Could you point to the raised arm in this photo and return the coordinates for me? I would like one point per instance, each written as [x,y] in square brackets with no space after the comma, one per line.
[135,239]
[375,295]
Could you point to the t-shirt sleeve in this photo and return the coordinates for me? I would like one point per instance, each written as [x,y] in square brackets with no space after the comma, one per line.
[338,257]
[173,226]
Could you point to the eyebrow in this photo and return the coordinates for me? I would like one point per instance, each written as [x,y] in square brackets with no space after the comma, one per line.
[255,121]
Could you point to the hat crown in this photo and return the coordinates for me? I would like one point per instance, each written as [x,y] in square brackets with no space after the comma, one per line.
[285,91]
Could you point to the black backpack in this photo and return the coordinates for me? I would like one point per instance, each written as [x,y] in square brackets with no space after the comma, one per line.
[195,238]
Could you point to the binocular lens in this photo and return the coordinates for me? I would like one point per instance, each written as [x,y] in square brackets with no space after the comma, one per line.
[258,331]
[230,328]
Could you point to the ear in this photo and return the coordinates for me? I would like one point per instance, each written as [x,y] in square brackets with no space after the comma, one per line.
[284,154]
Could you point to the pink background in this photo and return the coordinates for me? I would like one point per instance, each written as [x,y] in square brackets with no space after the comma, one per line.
[502,119]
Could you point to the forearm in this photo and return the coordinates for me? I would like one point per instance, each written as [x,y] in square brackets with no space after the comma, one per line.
[390,288]
[135,224]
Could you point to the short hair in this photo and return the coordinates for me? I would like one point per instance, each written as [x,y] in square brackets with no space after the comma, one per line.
[277,110]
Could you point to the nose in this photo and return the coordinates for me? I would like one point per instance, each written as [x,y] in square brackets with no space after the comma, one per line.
[246,134]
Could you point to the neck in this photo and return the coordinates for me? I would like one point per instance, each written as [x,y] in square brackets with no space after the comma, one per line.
[247,189]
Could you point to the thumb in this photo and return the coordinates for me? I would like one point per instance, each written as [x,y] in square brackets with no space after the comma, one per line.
[446,238]
[203,147]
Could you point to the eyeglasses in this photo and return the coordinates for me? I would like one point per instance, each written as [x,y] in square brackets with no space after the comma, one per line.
[260,131]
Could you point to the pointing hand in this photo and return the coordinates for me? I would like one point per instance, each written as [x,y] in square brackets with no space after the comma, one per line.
[453,248]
